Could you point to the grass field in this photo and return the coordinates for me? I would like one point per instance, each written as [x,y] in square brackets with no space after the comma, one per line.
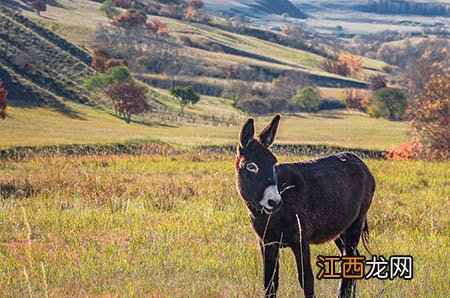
[155,226]
[44,126]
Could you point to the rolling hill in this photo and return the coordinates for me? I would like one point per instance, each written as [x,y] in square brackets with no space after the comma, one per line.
[255,8]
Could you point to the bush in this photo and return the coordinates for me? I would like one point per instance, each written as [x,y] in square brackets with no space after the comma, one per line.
[353,99]
[388,103]
[307,99]
[130,19]
[404,151]
[377,82]
[335,66]
[253,106]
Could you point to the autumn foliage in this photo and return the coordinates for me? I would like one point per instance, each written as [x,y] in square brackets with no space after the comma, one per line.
[406,151]
[3,104]
[39,5]
[128,98]
[431,117]
[159,28]
[193,9]
[354,99]
[345,65]
[130,19]
[99,57]
[377,82]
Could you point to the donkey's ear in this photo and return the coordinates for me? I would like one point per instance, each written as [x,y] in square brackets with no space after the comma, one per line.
[247,133]
[267,135]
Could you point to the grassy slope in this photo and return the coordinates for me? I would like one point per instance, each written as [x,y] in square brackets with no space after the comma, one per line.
[83,33]
[154,226]
[42,126]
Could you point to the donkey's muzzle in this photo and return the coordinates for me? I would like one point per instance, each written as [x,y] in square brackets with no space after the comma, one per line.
[271,201]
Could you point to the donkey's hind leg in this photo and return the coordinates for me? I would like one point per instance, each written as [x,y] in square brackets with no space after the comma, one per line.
[350,238]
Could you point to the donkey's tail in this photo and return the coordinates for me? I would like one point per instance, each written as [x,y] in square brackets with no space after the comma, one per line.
[365,237]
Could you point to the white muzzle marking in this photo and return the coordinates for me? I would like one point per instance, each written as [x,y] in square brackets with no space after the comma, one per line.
[270,194]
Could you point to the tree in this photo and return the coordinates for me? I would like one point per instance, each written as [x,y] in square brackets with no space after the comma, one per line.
[354,63]
[99,57]
[308,99]
[3,102]
[431,117]
[335,66]
[128,98]
[99,82]
[388,103]
[39,5]
[184,96]
[377,82]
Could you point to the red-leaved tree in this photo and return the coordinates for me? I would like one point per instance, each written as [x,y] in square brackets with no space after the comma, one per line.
[39,5]
[128,98]
[3,105]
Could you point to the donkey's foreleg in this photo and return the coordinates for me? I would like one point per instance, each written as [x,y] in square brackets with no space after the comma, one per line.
[305,274]
[270,255]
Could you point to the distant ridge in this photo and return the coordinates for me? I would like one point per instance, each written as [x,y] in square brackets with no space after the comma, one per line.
[255,8]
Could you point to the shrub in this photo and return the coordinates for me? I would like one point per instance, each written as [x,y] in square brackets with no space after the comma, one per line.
[377,82]
[388,103]
[406,151]
[130,19]
[353,99]
[184,96]
[3,102]
[307,99]
[128,98]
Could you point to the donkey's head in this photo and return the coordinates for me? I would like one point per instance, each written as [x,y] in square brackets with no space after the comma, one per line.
[256,178]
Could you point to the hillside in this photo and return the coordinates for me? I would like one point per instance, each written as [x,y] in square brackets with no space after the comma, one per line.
[38,66]
[255,8]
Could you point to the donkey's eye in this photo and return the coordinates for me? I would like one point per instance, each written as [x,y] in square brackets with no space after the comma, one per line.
[252,167]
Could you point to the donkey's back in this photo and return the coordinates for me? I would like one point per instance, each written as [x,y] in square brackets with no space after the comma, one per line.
[330,193]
